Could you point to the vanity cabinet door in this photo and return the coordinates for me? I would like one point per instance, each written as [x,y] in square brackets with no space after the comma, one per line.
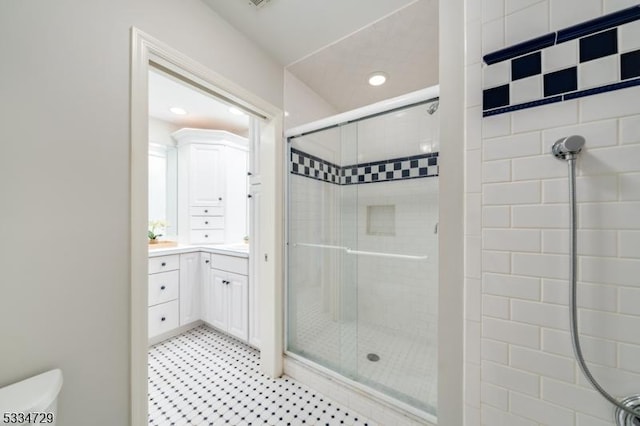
[207,175]
[218,301]
[189,287]
[237,292]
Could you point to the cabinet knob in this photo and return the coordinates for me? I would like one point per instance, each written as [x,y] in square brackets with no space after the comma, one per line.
[206,236]
[249,173]
[163,264]
[162,319]
[206,211]
[206,222]
[206,261]
[249,196]
[219,198]
[162,287]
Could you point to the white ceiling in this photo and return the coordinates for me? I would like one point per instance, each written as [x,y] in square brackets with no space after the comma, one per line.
[293,29]
[404,45]
[203,110]
[332,46]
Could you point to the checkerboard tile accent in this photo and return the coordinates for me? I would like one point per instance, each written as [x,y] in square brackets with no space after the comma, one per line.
[310,166]
[203,377]
[596,56]
[417,166]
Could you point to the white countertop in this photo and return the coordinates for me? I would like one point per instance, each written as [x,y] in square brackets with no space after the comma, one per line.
[238,250]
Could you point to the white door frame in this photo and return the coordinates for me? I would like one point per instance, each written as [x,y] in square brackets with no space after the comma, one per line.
[144,51]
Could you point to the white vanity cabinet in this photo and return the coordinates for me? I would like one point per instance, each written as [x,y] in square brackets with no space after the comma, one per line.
[194,286]
[212,176]
[163,294]
[227,295]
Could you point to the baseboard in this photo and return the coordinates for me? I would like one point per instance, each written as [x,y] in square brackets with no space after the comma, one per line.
[169,334]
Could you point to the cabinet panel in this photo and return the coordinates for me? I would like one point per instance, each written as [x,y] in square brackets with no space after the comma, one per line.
[236,191]
[189,288]
[163,263]
[207,174]
[205,286]
[238,306]
[238,265]
[163,287]
[163,318]
[218,299]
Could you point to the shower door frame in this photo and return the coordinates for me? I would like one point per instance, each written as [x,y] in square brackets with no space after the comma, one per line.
[409,100]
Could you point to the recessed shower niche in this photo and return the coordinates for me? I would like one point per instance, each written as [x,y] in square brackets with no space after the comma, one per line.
[381,220]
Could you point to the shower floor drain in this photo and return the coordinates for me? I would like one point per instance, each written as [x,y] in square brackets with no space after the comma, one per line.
[373,357]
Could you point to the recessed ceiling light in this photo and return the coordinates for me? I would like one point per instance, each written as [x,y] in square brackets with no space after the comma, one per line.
[378,78]
[178,110]
[236,111]
[286,113]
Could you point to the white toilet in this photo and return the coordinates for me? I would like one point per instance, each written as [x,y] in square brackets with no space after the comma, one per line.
[38,394]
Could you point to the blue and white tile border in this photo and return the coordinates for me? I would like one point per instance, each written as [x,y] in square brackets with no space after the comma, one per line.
[593,57]
[416,166]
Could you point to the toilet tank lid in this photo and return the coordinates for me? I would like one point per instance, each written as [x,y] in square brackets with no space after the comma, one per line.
[32,394]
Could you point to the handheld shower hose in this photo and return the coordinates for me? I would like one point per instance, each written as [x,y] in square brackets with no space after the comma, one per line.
[628,410]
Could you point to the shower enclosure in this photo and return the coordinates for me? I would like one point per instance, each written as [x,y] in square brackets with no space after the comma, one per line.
[362,261]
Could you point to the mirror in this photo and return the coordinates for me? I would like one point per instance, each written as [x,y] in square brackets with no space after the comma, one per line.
[163,187]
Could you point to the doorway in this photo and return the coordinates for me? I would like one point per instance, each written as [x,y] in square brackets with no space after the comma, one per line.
[148,53]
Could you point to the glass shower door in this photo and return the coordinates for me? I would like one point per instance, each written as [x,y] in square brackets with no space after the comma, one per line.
[363,252]
[321,294]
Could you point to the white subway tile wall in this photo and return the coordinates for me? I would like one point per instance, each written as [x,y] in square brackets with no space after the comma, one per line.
[528,375]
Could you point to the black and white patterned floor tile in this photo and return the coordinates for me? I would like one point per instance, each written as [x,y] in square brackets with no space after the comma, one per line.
[203,377]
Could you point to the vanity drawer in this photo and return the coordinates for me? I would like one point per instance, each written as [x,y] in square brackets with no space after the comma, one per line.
[206,222]
[163,287]
[213,236]
[238,265]
[163,263]
[163,318]
[207,211]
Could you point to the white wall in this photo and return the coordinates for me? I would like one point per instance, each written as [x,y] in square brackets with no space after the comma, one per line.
[160,132]
[64,180]
[519,362]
